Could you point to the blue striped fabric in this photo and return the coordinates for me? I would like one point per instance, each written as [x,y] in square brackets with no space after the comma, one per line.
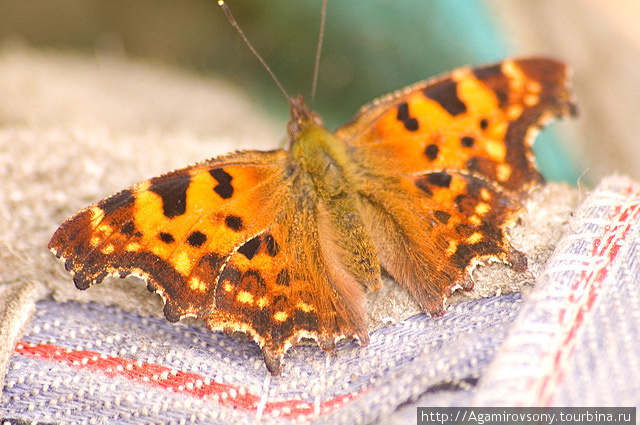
[366,383]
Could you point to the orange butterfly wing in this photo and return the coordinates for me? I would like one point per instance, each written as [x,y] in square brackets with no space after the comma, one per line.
[223,241]
[480,120]
[449,161]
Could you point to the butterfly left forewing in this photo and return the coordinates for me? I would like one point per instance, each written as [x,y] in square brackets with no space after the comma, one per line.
[175,231]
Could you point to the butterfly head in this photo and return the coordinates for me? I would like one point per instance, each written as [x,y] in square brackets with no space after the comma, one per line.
[301,118]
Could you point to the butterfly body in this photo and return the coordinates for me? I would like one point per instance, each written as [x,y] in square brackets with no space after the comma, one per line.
[334,179]
[283,245]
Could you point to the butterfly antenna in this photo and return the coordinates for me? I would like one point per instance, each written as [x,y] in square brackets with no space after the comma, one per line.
[233,22]
[316,67]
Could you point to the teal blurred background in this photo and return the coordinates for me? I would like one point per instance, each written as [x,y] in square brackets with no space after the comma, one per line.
[371,48]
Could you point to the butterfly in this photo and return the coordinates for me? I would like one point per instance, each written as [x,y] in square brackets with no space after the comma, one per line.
[284,244]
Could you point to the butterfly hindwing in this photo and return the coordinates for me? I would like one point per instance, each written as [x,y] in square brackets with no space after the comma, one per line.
[277,289]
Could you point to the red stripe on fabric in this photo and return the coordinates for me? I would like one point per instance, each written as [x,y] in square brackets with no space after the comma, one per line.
[584,292]
[157,376]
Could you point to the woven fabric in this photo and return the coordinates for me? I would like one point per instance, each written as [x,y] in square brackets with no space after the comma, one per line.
[576,341]
[109,365]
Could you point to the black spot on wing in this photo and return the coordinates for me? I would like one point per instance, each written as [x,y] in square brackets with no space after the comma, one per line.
[409,122]
[250,248]
[445,92]
[283,278]
[442,216]
[224,187]
[422,184]
[234,222]
[128,229]
[166,237]
[173,191]
[431,151]
[196,239]
[439,179]
[467,141]
[272,246]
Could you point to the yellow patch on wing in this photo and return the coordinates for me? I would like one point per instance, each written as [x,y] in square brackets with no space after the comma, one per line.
[96,214]
[244,297]
[304,307]
[514,112]
[496,150]
[482,208]
[475,220]
[533,87]
[197,284]
[182,262]
[475,238]
[479,99]
[104,229]
[262,302]
[280,316]
[133,247]
[515,74]
[458,185]
[452,248]
[503,172]
[107,249]
[531,99]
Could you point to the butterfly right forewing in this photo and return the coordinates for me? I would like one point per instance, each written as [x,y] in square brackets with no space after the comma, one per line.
[480,120]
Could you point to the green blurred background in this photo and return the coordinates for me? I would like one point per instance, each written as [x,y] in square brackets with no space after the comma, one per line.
[371,48]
